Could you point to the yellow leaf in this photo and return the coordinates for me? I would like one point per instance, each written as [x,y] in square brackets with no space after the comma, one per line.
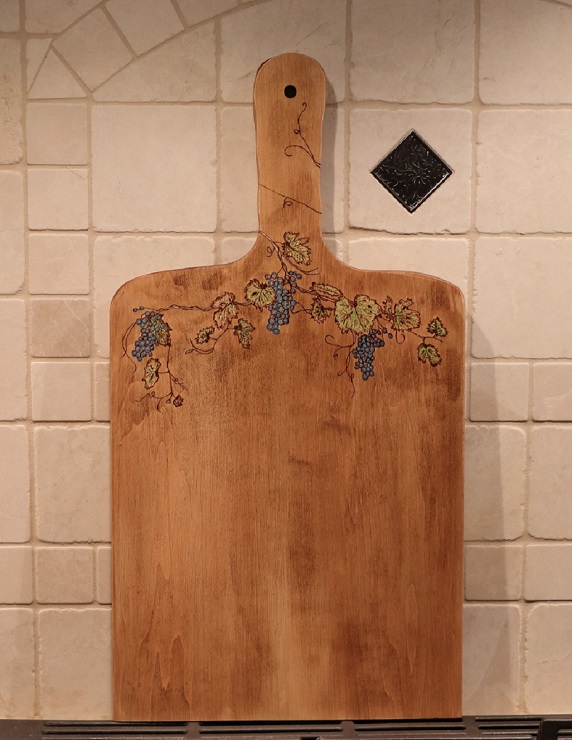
[151,375]
[226,310]
[259,294]
[296,248]
[357,315]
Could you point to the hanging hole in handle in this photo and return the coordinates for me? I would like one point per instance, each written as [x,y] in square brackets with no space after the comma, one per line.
[290,91]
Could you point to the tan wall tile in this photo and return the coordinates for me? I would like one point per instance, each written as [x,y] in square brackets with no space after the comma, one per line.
[56,133]
[54,16]
[36,52]
[13,402]
[54,80]
[103,575]
[61,391]
[70,641]
[491,659]
[12,232]
[58,263]
[60,327]
[101,391]
[412,56]
[145,23]
[552,391]
[499,391]
[548,659]
[57,199]
[16,579]
[548,573]
[494,482]
[64,575]
[15,477]
[72,483]
[11,97]
[235,247]
[550,505]
[194,12]
[239,177]
[9,16]
[17,674]
[493,572]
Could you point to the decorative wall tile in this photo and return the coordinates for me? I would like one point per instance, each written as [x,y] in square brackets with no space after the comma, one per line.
[55,15]
[17,674]
[493,572]
[15,477]
[93,49]
[194,12]
[548,574]
[9,16]
[61,391]
[519,165]
[77,565]
[552,391]
[182,70]
[154,168]
[494,482]
[12,232]
[11,102]
[265,30]
[56,133]
[239,177]
[550,504]
[103,574]
[491,659]
[13,402]
[508,272]
[58,263]
[72,481]
[16,580]
[414,55]
[374,133]
[101,391]
[54,80]
[235,247]
[145,23]
[57,199]
[70,640]
[36,52]
[548,653]
[60,327]
[499,391]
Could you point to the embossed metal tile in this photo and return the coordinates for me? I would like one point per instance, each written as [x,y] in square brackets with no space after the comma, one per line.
[412,171]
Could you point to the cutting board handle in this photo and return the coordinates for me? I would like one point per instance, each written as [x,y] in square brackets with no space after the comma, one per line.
[289,101]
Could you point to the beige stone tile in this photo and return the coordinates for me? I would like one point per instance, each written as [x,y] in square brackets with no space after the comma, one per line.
[17,650]
[194,12]
[103,575]
[72,483]
[12,233]
[519,165]
[548,659]
[239,177]
[552,391]
[182,70]
[448,259]
[494,482]
[145,23]
[491,659]
[525,47]
[16,575]
[61,391]
[101,391]
[93,49]
[9,16]
[36,52]
[332,171]
[119,259]
[11,97]
[265,30]
[56,133]
[513,277]
[154,168]
[235,247]
[55,15]
[493,572]
[15,477]
[412,52]
[58,263]
[550,504]
[70,641]
[499,391]
[54,80]
[57,198]
[374,133]
[64,575]
[13,403]
[60,327]
[548,572]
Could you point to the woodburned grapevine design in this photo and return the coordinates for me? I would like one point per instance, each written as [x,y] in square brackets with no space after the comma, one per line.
[367,323]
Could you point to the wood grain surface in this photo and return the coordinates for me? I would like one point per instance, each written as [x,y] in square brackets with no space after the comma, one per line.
[287,535]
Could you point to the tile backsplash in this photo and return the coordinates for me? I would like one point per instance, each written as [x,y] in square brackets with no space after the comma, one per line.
[127,146]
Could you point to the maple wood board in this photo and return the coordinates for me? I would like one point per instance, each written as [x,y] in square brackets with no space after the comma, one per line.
[287,527]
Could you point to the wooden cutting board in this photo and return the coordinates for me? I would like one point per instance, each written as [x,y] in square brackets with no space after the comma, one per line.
[287,467]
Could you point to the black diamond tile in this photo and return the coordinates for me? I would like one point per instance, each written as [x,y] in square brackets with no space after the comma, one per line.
[412,171]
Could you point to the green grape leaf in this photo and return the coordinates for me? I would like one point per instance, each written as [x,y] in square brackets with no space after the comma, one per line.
[323,290]
[319,312]
[161,330]
[357,315]
[151,375]
[404,317]
[204,335]
[226,310]
[243,331]
[259,294]
[296,248]
[437,328]
[429,353]
[387,306]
